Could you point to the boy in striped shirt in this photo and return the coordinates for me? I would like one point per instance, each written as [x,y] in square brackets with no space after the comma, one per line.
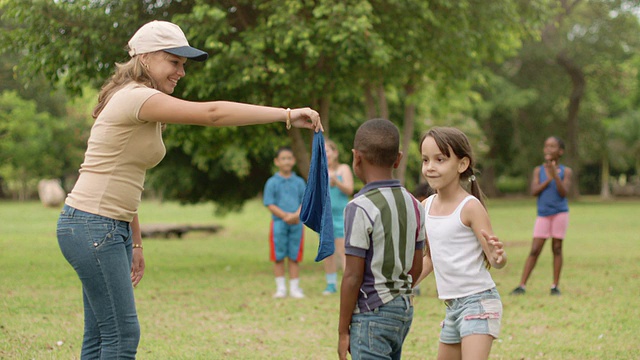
[384,242]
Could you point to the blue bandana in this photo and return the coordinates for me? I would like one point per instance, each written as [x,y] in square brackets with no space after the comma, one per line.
[316,202]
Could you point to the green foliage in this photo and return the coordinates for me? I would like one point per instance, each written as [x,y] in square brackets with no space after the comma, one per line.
[512,185]
[25,139]
[488,67]
[36,145]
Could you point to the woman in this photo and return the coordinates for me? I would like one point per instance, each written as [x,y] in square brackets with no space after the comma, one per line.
[98,229]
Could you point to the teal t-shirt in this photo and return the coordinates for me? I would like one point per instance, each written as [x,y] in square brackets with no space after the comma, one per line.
[338,202]
[285,193]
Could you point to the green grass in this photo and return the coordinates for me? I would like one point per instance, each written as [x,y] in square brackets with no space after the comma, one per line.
[208,296]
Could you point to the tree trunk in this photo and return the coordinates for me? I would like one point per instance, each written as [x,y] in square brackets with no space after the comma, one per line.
[578,83]
[325,105]
[605,190]
[407,133]
[382,102]
[370,102]
[488,174]
[300,151]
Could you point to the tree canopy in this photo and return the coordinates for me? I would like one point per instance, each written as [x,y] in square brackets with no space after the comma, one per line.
[500,68]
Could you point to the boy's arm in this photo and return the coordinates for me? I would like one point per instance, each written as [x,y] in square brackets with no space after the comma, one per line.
[275,210]
[269,199]
[416,267]
[427,265]
[349,289]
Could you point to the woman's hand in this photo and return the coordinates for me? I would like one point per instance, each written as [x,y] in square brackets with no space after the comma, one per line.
[306,118]
[137,266]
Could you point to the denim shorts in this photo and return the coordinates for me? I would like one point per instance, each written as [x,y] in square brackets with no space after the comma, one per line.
[476,314]
[379,334]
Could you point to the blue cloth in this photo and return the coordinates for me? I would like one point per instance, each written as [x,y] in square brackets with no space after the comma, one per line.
[316,202]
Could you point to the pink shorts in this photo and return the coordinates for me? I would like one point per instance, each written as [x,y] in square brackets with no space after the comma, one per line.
[554,226]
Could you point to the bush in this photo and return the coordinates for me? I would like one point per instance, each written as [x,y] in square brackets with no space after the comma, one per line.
[512,184]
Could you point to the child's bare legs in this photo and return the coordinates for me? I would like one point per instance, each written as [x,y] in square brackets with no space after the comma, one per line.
[331,265]
[536,249]
[337,259]
[473,347]
[331,275]
[278,269]
[294,280]
[557,260]
[281,285]
[294,269]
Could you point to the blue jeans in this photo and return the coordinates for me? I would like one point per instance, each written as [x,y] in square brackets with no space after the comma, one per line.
[379,334]
[100,251]
[476,314]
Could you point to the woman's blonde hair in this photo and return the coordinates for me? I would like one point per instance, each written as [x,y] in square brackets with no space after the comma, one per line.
[132,70]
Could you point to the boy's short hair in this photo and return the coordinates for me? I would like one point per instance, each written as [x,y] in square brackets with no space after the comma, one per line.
[284,148]
[379,142]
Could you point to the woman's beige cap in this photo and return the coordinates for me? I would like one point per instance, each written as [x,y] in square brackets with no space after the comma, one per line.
[162,35]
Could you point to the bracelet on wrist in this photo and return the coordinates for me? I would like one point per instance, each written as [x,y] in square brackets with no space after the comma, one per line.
[137,246]
[288,118]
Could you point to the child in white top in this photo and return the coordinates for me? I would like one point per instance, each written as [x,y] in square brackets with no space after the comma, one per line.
[461,247]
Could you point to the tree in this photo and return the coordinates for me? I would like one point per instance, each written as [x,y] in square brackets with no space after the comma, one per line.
[440,42]
[564,82]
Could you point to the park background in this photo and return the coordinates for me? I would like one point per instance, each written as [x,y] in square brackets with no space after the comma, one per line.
[509,73]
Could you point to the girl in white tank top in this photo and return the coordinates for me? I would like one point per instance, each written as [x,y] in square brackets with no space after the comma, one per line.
[461,247]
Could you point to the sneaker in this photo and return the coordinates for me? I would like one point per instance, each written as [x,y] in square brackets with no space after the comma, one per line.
[281,293]
[518,291]
[331,289]
[296,293]
[555,291]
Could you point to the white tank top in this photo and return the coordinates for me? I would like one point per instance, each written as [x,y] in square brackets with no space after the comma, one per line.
[458,260]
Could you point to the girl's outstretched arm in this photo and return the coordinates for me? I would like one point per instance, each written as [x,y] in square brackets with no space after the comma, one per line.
[475,216]
[496,255]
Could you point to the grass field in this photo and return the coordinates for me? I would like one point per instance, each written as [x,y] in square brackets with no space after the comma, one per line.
[208,296]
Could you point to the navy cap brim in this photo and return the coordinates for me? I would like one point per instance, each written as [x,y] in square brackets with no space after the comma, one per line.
[188,52]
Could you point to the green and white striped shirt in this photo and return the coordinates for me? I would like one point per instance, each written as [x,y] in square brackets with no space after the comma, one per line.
[384,224]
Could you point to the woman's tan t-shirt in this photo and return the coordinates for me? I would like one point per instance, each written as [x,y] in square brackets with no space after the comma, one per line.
[120,149]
